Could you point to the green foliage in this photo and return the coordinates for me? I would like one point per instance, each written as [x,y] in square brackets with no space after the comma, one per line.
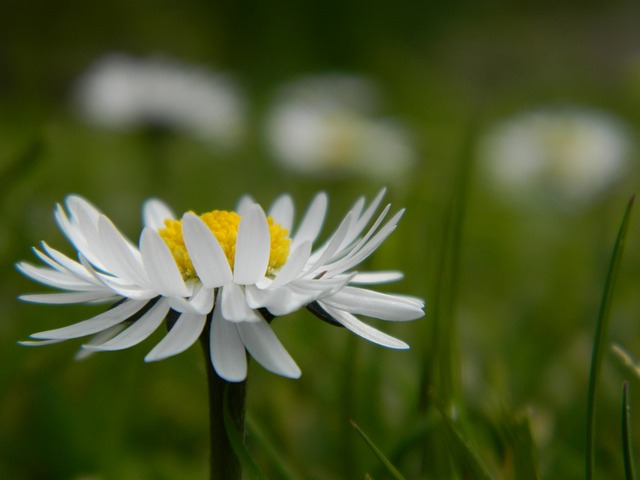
[512,289]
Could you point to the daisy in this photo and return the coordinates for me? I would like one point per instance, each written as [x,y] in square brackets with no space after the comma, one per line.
[568,156]
[222,274]
[330,125]
[123,92]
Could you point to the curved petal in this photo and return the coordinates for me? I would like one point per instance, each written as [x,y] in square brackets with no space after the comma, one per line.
[201,302]
[227,350]
[365,249]
[384,306]
[65,262]
[162,270]
[282,211]
[138,331]
[362,329]
[311,224]
[366,216]
[66,298]
[155,212]
[253,246]
[105,320]
[205,252]
[55,278]
[322,256]
[243,204]
[263,345]
[234,307]
[373,278]
[101,337]
[182,335]
[294,265]
[121,260]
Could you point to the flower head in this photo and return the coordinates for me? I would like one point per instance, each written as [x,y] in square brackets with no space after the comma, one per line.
[328,124]
[221,274]
[568,156]
[121,92]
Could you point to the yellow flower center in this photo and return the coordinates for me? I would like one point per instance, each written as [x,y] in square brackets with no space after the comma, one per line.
[224,225]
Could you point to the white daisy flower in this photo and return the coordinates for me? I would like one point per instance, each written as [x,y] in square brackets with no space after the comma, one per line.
[222,274]
[328,124]
[121,92]
[563,155]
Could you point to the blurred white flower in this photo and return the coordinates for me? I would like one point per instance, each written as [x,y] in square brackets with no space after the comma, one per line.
[328,124]
[562,155]
[119,91]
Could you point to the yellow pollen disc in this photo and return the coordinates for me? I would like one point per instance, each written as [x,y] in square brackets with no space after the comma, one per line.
[224,225]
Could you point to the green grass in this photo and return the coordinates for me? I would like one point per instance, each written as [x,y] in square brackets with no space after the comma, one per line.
[506,378]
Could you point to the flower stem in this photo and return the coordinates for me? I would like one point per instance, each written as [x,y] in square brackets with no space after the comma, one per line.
[224,464]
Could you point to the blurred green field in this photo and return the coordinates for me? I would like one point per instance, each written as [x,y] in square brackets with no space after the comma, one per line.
[512,295]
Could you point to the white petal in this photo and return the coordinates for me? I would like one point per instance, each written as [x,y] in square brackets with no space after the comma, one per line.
[138,331]
[244,204]
[312,222]
[282,211]
[227,350]
[38,343]
[372,278]
[155,212]
[205,252]
[264,346]
[365,250]
[234,306]
[77,204]
[65,298]
[363,330]
[161,267]
[201,302]
[82,231]
[325,254]
[367,215]
[282,301]
[294,265]
[119,286]
[182,335]
[253,246]
[119,258]
[50,261]
[55,278]
[101,337]
[384,306]
[105,320]
[67,263]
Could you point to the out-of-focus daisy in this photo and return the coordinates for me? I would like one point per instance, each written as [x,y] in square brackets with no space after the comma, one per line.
[222,274]
[328,125]
[563,155]
[123,92]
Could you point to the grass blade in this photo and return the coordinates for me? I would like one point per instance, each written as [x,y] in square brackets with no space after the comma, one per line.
[522,447]
[284,470]
[441,370]
[393,471]
[248,464]
[627,450]
[463,455]
[600,338]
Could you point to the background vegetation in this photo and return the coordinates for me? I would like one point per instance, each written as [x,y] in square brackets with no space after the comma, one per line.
[512,290]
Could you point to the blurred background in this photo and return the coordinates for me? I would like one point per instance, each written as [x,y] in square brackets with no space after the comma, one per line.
[517,122]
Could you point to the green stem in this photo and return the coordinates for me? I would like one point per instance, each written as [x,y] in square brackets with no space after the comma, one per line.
[224,462]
